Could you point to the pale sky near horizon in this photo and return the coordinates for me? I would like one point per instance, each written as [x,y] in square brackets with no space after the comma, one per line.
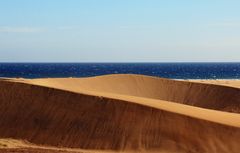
[119,31]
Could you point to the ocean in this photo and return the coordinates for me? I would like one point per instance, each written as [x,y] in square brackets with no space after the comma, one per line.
[165,70]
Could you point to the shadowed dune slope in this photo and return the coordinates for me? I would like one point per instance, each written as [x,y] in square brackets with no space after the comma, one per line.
[49,116]
[196,94]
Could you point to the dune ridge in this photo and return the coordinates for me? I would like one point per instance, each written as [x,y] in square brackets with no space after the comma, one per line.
[209,96]
[89,114]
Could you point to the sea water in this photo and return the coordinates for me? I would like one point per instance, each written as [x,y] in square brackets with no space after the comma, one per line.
[165,70]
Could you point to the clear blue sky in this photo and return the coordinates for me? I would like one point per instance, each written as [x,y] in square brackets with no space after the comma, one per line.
[119,30]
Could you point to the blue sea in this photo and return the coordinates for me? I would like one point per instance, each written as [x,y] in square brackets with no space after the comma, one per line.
[165,70]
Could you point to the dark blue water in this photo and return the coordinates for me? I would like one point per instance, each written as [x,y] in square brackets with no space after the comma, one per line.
[166,70]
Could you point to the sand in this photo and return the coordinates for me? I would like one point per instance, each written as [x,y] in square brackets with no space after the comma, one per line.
[232,82]
[119,113]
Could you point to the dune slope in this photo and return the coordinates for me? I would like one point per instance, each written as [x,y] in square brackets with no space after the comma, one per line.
[114,121]
[196,94]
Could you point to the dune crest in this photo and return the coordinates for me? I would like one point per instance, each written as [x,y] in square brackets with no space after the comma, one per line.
[195,94]
[134,114]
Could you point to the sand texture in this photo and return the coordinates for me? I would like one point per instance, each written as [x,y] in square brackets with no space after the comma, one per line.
[119,113]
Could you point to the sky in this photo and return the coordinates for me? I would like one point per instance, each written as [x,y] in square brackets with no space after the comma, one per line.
[120,31]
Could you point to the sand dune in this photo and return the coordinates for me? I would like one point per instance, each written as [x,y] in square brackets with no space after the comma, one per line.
[231,83]
[126,113]
[196,94]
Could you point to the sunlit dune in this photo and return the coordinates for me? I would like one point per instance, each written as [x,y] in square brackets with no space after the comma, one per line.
[119,113]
